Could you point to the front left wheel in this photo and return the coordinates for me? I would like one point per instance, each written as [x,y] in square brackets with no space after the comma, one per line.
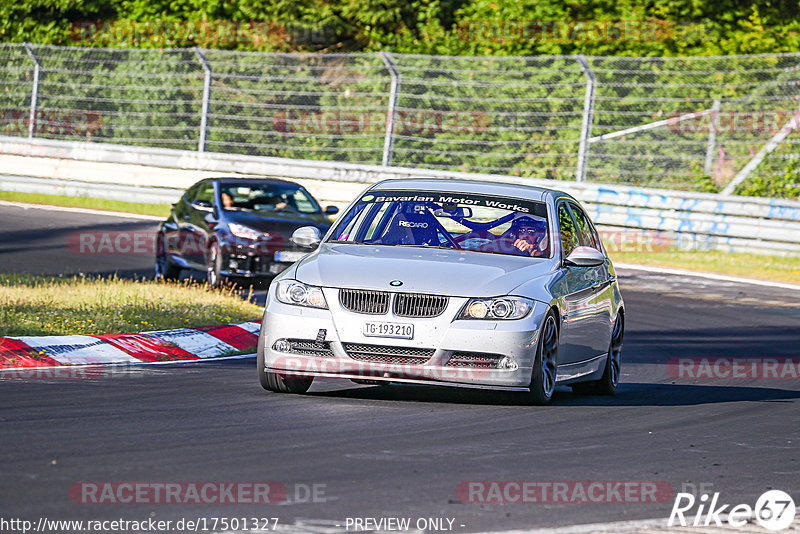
[545,365]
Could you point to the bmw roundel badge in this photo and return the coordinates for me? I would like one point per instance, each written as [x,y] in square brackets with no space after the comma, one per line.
[396,283]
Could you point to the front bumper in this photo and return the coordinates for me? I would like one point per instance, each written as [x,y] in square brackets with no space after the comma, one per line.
[332,345]
[252,262]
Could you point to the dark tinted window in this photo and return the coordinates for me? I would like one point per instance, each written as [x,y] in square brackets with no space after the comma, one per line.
[267,197]
[569,234]
[588,235]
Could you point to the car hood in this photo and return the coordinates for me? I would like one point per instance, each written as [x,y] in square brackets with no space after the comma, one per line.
[282,222]
[431,271]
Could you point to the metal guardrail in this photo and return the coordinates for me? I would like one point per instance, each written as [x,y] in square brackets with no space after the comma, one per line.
[692,220]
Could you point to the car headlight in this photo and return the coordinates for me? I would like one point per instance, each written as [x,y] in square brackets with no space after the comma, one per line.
[244,232]
[299,294]
[497,308]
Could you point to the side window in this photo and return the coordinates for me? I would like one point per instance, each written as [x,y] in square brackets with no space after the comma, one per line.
[303,203]
[205,192]
[588,235]
[569,234]
[190,195]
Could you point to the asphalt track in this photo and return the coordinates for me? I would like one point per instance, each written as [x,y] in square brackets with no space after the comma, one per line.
[403,451]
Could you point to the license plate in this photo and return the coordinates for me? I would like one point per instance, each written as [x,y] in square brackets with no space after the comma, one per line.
[398,330]
[289,256]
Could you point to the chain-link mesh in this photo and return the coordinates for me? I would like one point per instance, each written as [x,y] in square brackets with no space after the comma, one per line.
[16,81]
[757,95]
[510,115]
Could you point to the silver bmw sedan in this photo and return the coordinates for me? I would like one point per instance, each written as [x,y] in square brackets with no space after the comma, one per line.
[449,282]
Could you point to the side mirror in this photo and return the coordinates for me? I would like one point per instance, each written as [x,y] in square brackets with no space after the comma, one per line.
[202,205]
[331,210]
[307,237]
[585,257]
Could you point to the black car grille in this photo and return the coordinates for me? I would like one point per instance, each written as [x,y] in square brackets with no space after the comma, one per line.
[388,354]
[362,301]
[310,347]
[405,304]
[416,305]
[474,359]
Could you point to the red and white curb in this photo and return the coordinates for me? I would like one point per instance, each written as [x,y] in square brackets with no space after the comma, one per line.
[146,347]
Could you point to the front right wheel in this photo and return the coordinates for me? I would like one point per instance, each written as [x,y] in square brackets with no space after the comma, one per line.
[278,383]
[545,365]
[164,269]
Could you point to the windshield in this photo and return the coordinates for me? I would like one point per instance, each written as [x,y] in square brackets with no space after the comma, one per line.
[266,197]
[478,223]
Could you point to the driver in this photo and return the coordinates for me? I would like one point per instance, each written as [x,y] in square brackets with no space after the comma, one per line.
[277,201]
[532,235]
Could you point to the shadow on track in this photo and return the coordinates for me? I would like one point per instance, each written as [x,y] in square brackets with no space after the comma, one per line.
[629,394]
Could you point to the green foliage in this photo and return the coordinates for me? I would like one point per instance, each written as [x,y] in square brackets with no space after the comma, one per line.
[786,185]
[447,27]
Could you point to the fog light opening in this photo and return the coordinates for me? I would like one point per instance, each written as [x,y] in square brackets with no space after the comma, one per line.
[507,364]
[282,346]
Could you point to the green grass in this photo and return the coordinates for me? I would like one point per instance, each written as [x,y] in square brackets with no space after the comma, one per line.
[36,305]
[775,268]
[159,210]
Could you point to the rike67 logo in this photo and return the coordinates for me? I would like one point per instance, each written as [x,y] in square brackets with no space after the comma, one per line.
[774,510]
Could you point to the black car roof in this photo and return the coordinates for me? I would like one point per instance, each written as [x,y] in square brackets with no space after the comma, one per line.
[251,180]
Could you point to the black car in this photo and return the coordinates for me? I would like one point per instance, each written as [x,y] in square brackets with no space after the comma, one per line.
[237,227]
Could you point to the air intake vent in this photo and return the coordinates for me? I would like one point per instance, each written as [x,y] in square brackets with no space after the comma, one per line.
[362,301]
[387,354]
[413,305]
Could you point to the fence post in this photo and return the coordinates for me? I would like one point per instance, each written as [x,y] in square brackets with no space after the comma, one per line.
[712,137]
[201,145]
[388,141]
[35,91]
[588,112]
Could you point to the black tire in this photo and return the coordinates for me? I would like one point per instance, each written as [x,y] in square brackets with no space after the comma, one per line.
[164,269]
[607,385]
[214,266]
[279,383]
[545,365]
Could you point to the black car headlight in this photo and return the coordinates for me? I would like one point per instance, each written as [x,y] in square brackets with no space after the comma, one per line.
[497,308]
[300,294]
[244,232]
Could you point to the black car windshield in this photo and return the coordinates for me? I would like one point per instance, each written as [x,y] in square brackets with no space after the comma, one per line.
[479,223]
[266,197]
